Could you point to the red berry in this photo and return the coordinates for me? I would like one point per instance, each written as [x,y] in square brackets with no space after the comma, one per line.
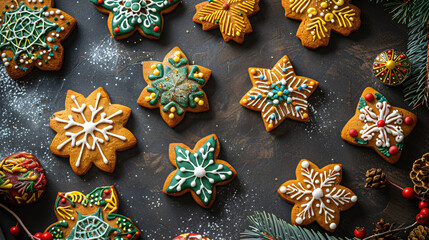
[381,123]
[47,236]
[129,235]
[353,133]
[408,120]
[393,150]
[408,192]
[421,219]
[117,30]
[38,235]
[156,28]
[15,231]
[100,1]
[423,204]
[425,211]
[360,232]
[369,97]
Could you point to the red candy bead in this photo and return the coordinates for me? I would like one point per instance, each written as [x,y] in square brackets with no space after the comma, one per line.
[63,200]
[106,191]
[47,236]
[381,123]
[369,97]
[408,192]
[225,6]
[117,30]
[421,219]
[38,235]
[100,1]
[393,150]
[425,211]
[390,51]
[156,28]
[360,232]
[353,133]
[423,204]
[129,235]
[408,120]
[15,231]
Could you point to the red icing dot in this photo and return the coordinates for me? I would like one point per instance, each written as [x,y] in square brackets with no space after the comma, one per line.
[375,65]
[129,235]
[408,120]
[393,150]
[100,1]
[106,191]
[225,6]
[353,133]
[381,123]
[138,233]
[404,71]
[156,28]
[61,194]
[117,30]
[390,51]
[63,200]
[369,97]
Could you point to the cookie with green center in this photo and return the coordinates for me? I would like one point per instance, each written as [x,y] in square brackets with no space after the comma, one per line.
[198,171]
[129,16]
[31,33]
[174,87]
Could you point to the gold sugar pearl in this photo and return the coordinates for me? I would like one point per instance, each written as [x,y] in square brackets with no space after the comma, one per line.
[156,72]
[201,102]
[200,75]
[153,66]
[147,99]
[172,109]
[171,115]
[176,59]
[153,95]
[312,11]
[253,71]
[324,4]
[177,54]
[195,75]
[196,99]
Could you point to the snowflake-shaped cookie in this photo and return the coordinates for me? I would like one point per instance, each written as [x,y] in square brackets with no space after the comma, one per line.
[279,94]
[230,16]
[128,16]
[317,195]
[30,36]
[198,171]
[90,130]
[174,87]
[320,17]
[379,125]
[91,217]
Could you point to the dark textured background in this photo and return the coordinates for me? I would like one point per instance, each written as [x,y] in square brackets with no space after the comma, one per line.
[263,160]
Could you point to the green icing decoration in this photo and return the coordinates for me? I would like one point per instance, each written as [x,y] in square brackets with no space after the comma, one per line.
[95,197]
[192,103]
[167,107]
[181,62]
[400,145]
[24,30]
[194,69]
[380,97]
[160,68]
[56,231]
[198,171]
[130,14]
[361,141]
[384,151]
[362,103]
[30,187]
[124,223]
[91,226]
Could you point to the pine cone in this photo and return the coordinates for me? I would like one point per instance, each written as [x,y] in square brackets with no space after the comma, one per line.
[375,178]
[381,227]
[420,174]
[419,233]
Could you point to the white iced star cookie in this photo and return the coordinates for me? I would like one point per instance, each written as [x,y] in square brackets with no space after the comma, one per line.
[317,195]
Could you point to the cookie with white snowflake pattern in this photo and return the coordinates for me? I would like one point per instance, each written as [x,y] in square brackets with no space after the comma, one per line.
[31,33]
[379,125]
[198,171]
[317,195]
[90,131]
[321,17]
[128,16]
[190,236]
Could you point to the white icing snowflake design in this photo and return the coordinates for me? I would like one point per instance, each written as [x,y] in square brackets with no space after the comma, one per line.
[318,194]
[383,124]
[89,128]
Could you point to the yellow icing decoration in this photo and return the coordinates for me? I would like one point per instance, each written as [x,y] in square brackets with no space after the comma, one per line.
[147,99]
[153,66]
[195,75]
[64,212]
[112,204]
[201,102]
[317,25]
[343,16]
[339,2]
[172,109]
[312,11]
[153,95]
[196,99]
[329,17]
[299,6]
[75,197]
[200,75]
[171,115]
[176,59]
[156,72]
[324,4]
[6,185]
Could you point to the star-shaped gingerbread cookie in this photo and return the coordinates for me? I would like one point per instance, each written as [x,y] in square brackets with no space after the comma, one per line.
[174,87]
[90,130]
[320,17]
[317,195]
[128,16]
[198,171]
[230,16]
[379,125]
[279,94]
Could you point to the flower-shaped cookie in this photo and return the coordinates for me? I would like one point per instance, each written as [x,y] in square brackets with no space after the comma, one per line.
[198,171]
[379,125]
[317,195]
[31,33]
[92,216]
[90,130]
[174,87]
[320,17]
[231,16]
[279,94]
[129,16]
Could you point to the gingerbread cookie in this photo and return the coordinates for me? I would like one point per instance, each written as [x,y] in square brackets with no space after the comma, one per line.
[198,171]
[129,16]
[190,236]
[317,195]
[279,94]
[391,67]
[90,130]
[379,125]
[31,33]
[320,17]
[174,87]
[230,16]
[22,179]
[91,216]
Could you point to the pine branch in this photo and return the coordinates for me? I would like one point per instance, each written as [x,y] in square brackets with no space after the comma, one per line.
[266,226]
[400,9]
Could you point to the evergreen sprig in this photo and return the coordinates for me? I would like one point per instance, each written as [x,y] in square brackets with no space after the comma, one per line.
[266,226]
